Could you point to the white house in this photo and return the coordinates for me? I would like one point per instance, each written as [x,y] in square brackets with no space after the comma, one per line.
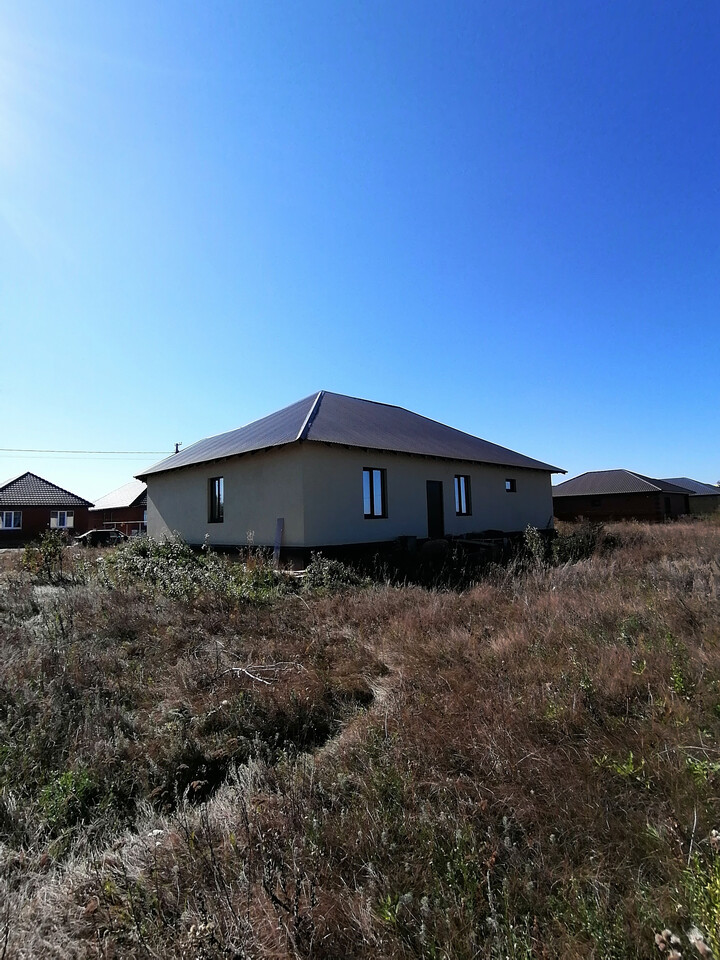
[332,470]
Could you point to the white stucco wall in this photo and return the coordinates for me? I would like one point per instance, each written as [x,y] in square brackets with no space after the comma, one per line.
[259,488]
[334,503]
[317,489]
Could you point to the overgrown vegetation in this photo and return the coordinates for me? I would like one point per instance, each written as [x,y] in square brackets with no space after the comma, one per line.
[202,759]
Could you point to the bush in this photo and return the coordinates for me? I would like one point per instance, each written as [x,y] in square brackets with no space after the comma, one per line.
[527,768]
[47,555]
[68,800]
[579,543]
[173,568]
[324,573]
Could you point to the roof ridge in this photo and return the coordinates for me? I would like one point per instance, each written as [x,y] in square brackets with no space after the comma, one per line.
[376,403]
[47,483]
[414,413]
[642,476]
[327,417]
[312,413]
[19,476]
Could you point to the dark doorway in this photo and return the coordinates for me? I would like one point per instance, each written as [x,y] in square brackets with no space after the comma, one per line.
[436,517]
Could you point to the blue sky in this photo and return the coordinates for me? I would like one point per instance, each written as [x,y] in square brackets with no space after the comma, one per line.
[502,215]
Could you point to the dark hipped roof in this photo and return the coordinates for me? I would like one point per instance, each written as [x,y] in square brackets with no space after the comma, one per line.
[595,483]
[333,418]
[29,490]
[132,494]
[695,486]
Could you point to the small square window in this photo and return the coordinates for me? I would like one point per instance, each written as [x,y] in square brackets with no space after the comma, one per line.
[511,486]
[216,500]
[374,493]
[463,507]
[10,519]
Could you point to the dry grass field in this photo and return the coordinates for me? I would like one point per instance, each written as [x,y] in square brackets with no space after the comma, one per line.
[201,760]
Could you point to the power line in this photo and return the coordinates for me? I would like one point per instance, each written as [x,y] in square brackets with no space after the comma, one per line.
[93,452]
[37,456]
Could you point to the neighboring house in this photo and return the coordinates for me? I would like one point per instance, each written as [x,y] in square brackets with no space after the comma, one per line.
[124,509]
[704,497]
[333,470]
[619,495]
[30,505]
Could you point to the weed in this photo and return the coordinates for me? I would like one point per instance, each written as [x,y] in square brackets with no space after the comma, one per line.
[702,886]
[324,573]
[703,770]
[47,556]
[67,800]
[198,761]
[629,768]
[579,542]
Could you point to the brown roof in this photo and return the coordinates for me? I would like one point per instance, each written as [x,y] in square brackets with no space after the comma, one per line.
[595,483]
[695,487]
[29,490]
[327,417]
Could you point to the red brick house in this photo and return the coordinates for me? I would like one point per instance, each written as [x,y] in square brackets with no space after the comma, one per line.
[619,495]
[704,497]
[124,509]
[30,505]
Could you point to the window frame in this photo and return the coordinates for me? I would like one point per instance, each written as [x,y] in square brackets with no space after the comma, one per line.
[68,515]
[510,485]
[462,493]
[216,499]
[369,499]
[13,514]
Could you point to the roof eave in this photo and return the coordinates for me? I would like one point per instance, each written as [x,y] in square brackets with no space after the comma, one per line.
[198,463]
[537,465]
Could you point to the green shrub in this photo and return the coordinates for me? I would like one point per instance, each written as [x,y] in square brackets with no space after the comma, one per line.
[324,573]
[702,888]
[173,568]
[535,546]
[578,544]
[46,556]
[68,800]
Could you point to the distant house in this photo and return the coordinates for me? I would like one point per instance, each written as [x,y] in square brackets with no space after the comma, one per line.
[30,505]
[619,495]
[334,470]
[124,509]
[704,497]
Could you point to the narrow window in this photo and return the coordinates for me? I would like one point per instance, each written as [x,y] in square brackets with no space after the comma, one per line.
[463,506]
[374,493]
[511,486]
[216,500]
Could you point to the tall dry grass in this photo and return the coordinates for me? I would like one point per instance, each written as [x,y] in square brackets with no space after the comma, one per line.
[529,768]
